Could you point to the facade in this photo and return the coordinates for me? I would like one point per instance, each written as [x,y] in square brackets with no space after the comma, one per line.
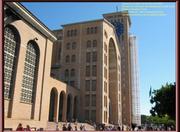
[31,96]
[136,117]
[122,23]
[89,62]
[82,71]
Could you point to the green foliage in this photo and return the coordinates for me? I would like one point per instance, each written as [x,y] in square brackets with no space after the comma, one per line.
[164,100]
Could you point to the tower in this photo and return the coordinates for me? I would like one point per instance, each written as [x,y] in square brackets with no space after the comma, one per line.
[122,23]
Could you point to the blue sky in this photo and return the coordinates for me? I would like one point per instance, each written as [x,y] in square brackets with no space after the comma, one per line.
[155,36]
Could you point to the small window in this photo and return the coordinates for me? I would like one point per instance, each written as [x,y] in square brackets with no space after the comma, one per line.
[88,44]
[94,56]
[66,74]
[68,33]
[72,72]
[93,101]
[92,30]
[94,70]
[87,100]
[88,30]
[95,30]
[93,85]
[87,71]
[87,85]
[88,57]
[72,83]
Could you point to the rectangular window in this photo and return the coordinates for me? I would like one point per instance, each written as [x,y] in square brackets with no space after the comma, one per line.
[93,115]
[86,114]
[72,83]
[94,56]
[87,85]
[88,57]
[87,100]
[105,72]
[93,85]
[105,101]
[105,59]
[87,71]
[105,86]
[94,70]
[105,47]
[93,103]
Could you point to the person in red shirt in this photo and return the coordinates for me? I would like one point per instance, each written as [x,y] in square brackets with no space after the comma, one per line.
[20,128]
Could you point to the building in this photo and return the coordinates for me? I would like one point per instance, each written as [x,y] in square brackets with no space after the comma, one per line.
[31,96]
[90,61]
[82,71]
[122,23]
[136,117]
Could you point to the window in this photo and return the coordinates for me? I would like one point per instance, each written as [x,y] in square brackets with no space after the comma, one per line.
[88,45]
[93,85]
[11,47]
[68,33]
[74,45]
[75,32]
[86,114]
[92,30]
[88,57]
[93,103]
[30,73]
[93,115]
[87,71]
[87,100]
[87,85]
[88,30]
[67,59]
[105,47]
[95,29]
[94,70]
[94,56]
[72,72]
[72,83]
[73,58]
[94,43]
[105,101]
[72,32]
[66,74]
[68,46]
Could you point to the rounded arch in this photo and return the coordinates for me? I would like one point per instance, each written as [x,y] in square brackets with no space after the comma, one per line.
[62,98]
[53,104]
[69,107]
[75,110]
[11,55]
[113,80]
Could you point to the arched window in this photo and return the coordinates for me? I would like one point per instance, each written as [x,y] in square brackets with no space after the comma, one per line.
[73,58]
[30,72]
[74,45]
[88,44]
[66,74]
[67,59]
[72,72]
[11,49]
[94,43]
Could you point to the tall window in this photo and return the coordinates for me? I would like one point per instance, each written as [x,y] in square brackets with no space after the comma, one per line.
[88,44]
[87,100]
[67,59]
[30,73]
[87,85]
[10,57]
[94,56]
[94,43]
[93,85]
[94,70]
[73,58]
[93,101]
[88,57]
[87,71]
[74,45]
[72,72]
[68,46]
[66,74]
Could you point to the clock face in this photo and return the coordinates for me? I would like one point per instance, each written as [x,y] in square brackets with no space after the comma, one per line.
[119,28]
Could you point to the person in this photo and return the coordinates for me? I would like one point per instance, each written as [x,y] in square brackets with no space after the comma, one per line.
[69,127]
[19,128]
[64,127]
[76,128]
[28,128]
[81,127]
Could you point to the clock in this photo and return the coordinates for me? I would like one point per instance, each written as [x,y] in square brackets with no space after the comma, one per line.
[119,28]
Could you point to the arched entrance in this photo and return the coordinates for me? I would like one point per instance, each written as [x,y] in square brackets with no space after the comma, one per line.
[75,112]
[113,82]
[61,105]
[69,107]
[53,105]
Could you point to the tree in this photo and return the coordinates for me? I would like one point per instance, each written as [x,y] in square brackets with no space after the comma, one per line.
[164,100]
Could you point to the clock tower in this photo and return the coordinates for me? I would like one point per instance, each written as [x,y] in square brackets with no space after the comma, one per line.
[122,22]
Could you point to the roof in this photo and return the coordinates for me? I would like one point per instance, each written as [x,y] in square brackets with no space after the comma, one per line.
[31,19]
